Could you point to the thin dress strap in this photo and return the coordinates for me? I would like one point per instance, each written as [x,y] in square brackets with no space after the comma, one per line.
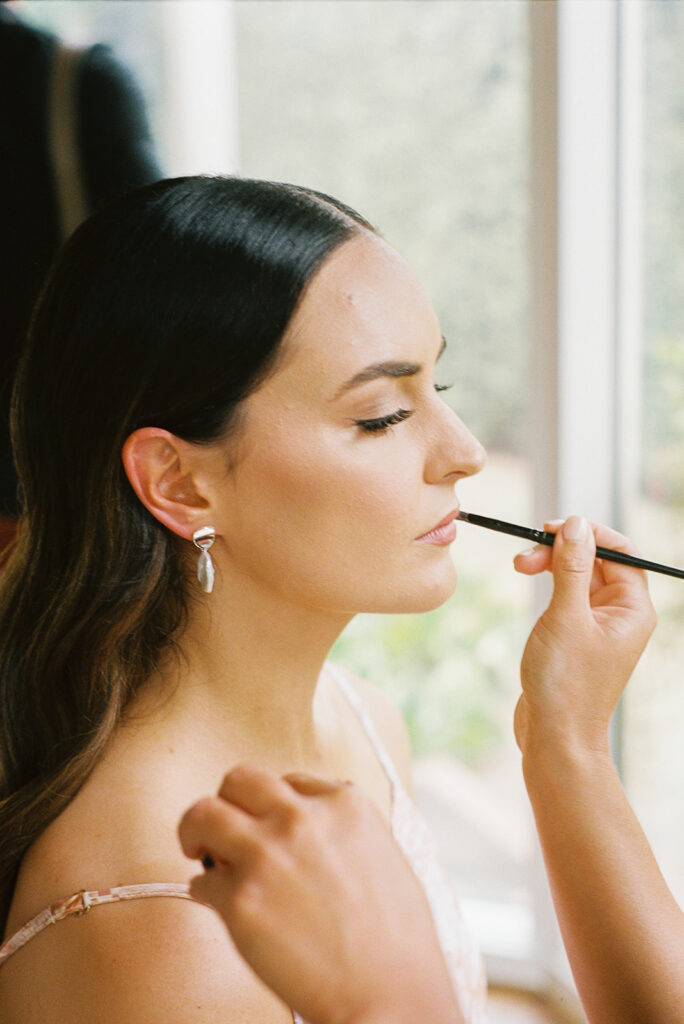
[81,902]
[368,727]
[417,843]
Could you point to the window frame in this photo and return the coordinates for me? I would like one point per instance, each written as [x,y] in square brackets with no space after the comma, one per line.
[586,294]
[585,272]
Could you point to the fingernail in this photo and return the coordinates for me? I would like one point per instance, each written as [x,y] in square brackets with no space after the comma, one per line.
[576,528]
[529,551]
[208,862]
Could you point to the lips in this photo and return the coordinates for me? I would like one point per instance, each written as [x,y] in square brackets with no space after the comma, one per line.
[444,532]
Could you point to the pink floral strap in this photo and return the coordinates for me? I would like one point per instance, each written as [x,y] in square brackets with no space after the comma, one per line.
[81,902]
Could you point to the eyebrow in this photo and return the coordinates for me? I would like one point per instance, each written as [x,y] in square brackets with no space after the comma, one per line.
[390,368]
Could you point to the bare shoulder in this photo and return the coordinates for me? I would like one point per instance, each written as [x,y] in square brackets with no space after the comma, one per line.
[388,721]
[160,959]
[153,961]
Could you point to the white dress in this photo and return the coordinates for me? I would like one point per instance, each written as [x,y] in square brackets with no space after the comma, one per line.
[417,843]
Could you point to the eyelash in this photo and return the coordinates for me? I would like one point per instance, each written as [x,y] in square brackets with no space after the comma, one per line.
[382,423]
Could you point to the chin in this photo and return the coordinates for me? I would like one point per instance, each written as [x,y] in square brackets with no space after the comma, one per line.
[417,598]
[434,599]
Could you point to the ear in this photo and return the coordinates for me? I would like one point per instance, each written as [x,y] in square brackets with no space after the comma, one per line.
[165,473]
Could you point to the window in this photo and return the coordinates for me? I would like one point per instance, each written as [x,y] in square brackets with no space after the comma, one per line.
[527,159]
[417,114]
[654,709]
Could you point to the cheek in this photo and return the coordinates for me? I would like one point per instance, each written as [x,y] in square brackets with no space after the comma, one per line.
[336,501]
[337,529]
[326,506]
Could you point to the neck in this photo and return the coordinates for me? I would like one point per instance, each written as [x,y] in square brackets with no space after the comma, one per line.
[249,675]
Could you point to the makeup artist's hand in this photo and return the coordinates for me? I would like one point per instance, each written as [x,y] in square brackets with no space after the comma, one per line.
[585,646]
[622,928]
[319,899]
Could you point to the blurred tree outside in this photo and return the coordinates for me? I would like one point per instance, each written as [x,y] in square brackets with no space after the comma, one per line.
[415,113]
[443,669]
[663,451]
[654,710]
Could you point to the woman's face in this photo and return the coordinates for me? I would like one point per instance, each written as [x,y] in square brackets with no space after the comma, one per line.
[348,458]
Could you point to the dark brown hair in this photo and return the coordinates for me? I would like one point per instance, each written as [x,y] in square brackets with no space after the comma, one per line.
[166,309]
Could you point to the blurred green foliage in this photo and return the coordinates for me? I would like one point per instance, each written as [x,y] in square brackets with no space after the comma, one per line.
[664,423]
[663,152]
[450,671]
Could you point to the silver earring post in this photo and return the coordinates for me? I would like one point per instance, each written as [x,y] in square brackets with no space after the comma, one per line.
[203,539]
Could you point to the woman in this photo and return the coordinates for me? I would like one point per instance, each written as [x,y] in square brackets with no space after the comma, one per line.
[250,367]
[623,930]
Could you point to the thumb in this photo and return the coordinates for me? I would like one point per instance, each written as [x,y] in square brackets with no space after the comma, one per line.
[574,551]
[312,785]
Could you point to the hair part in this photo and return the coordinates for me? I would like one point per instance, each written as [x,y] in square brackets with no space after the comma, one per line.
[166,309]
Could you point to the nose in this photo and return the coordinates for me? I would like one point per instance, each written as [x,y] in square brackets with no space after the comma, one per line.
[454,451]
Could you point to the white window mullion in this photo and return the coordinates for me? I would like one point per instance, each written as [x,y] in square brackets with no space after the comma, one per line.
[201,86]
[587,166]
[577,284]
[629,247]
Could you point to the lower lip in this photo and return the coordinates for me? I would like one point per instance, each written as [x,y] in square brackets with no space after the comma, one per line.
[441,536]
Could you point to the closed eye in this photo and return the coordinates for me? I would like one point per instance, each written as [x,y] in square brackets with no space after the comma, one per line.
[381,423]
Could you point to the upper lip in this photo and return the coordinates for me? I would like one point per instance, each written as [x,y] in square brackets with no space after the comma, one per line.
[443,522]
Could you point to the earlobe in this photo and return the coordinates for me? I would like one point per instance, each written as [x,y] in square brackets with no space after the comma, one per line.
[162,472]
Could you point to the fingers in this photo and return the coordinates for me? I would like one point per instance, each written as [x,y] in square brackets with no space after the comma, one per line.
[574,552]
[254,790]
[571,559]
[225,827]
[214,827]
[609,538]
[613,572]
[537,559]
[311,785]
[259,792]
[533,560]
[578,574]
[540,558]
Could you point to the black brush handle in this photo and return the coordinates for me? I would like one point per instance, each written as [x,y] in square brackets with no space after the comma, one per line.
[544,537]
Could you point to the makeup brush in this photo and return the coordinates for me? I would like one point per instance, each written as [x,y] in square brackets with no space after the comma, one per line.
[544,537]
